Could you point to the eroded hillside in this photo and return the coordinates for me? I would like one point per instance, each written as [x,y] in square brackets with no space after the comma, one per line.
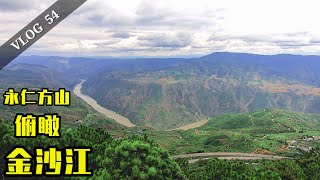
[184,92]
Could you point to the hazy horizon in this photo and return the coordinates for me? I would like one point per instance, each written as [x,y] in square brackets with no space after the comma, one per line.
[165,57]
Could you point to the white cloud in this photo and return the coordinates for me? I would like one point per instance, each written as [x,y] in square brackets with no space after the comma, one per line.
[179,27]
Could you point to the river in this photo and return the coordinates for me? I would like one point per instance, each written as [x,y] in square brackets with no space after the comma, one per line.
[108,113]
[119,118]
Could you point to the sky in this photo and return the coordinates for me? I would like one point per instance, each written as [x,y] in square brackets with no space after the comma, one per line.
[171,28]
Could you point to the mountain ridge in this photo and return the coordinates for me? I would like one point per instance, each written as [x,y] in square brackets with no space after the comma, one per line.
[169,93]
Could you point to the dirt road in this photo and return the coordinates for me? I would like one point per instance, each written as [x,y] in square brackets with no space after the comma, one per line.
[228,156]
[108,113]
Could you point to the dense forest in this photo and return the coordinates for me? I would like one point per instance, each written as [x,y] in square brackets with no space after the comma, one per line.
[138,157]
[128,158]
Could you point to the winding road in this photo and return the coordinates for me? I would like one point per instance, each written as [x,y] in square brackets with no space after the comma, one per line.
[228,156]
[108,113]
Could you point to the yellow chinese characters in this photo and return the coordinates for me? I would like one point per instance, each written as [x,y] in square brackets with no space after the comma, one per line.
[82,161]
[11,98]
[49,125]
[43,162]
[25,125]
[62,98]
[44,97]
[32,125]
[52,157]
[23,96]
[19,162]
[50,162]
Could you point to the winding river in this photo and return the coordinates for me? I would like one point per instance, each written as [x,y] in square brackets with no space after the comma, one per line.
[117,117]
[108,113]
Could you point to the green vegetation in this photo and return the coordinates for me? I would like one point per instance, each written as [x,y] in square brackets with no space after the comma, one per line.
[137,157]
[132,157]
[306,166]
[169,93]
[262,131]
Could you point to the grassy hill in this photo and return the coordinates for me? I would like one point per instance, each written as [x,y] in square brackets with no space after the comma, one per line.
[266,121]
[263,131]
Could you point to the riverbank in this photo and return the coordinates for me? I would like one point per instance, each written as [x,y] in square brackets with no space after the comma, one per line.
[108,113]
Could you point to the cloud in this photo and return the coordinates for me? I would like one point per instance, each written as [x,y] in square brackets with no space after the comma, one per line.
[315,40]
[171,40]
[149,14]
[23,5]
[163,28]
[146,15]
[284,41]
[122,35]
[9,5]
[99,14]
[105,43]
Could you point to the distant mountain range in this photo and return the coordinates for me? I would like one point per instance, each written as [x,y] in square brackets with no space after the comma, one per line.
[168,93]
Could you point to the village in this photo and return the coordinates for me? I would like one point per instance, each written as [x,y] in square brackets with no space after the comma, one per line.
[303,143]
